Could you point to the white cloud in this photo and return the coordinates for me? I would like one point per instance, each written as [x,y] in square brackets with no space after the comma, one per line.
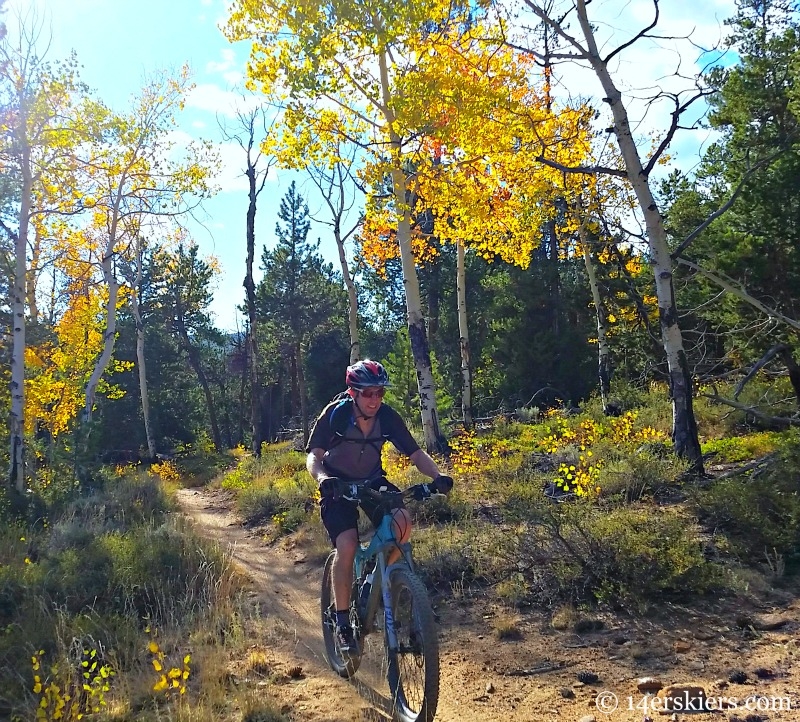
[228,61]
[234,77]
[215,99]
[667,63]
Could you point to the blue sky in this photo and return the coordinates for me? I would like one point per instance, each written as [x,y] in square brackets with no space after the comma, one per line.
[120,42]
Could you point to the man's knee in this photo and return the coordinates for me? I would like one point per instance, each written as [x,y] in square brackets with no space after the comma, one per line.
[346,544]
[401,523]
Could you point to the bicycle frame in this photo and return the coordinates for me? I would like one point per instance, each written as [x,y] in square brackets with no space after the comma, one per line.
[409,631]
[382,542]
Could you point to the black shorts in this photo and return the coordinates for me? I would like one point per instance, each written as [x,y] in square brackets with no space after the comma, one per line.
[341,514]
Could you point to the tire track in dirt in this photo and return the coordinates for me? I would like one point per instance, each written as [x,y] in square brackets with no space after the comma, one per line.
[478,680]
[288,590]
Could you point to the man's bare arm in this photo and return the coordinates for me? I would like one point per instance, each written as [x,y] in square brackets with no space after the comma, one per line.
[425,464]
[314,465]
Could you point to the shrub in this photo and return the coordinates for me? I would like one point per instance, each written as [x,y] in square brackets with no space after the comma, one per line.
[256,505]
[742,448]
[631,477]
[758,514]
[628,556]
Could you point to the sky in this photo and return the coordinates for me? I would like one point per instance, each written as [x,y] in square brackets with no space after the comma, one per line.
[120,43]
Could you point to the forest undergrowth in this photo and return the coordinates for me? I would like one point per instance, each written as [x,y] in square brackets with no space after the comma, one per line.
[111,608]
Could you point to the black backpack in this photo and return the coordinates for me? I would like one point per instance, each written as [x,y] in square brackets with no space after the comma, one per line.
[343,412]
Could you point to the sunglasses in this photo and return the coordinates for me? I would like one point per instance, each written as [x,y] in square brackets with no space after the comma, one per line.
[372,394]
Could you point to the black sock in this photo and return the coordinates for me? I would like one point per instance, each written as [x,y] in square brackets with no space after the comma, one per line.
[343,618]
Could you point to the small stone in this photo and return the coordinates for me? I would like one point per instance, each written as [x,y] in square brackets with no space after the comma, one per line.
[588,718]
[704,635]
[737,676]
[566,693]
[687,694]
[763,673]
[489,688]
[578,685]
[681,647]
[769,622]
[648,685]
[696,665]
[587,677]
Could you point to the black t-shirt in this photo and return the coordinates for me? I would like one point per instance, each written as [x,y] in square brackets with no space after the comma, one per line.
[354,455]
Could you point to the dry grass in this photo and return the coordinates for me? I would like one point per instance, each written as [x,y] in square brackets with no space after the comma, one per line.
[506,626]
[258,663]
[564,617]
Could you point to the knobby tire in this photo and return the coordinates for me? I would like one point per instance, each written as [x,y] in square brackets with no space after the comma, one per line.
[343,666]
[413,670]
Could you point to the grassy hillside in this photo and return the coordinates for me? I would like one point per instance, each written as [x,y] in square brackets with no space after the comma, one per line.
[111,606]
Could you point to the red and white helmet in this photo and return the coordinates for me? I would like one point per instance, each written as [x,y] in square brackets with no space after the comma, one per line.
[366,373]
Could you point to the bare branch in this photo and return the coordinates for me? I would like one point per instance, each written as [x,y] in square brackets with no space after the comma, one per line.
[585,169]
[724,207]
[642,33]
[674,126]
[12,234]
[557,27]
[760,464]
[735,288]
[775,420]
[763,361]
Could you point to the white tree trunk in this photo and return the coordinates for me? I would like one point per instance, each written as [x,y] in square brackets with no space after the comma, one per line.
[352,297]
[109,339]
[140,359]
[17,416]
[684,427]
[463,334]
[416,322]
[32,277]
[603,349]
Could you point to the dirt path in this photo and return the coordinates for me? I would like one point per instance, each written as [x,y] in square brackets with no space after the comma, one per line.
[530,678]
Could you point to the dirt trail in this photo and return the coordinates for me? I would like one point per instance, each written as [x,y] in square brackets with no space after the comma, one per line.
[531,678]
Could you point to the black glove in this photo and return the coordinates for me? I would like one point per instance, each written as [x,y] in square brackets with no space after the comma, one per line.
[442,484]
[329,488]
[422,491]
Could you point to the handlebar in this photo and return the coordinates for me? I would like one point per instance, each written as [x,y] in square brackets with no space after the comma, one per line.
[357,490]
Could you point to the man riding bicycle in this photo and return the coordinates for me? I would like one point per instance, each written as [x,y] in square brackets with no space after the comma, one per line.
[346,443]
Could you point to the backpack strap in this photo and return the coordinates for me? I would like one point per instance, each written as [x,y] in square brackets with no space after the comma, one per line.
[342,417]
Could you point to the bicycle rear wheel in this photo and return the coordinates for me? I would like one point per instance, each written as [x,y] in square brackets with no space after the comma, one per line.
[344,665]
[413,668]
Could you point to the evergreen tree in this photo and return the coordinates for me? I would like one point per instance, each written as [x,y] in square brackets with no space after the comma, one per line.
[299,298]
[756,241]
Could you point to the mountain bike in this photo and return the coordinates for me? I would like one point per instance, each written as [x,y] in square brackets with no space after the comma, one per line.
[392,597]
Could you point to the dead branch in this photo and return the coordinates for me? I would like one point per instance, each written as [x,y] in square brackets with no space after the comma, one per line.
[641,34]
[673,128]
[763,361]
[775,420]
[588,170]
[733,287]
[724,207]
[759,464]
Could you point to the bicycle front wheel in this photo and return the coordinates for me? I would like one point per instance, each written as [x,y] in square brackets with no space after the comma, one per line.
[344,665]
[413,668]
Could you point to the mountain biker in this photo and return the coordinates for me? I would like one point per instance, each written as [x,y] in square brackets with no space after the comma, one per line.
[346,443]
